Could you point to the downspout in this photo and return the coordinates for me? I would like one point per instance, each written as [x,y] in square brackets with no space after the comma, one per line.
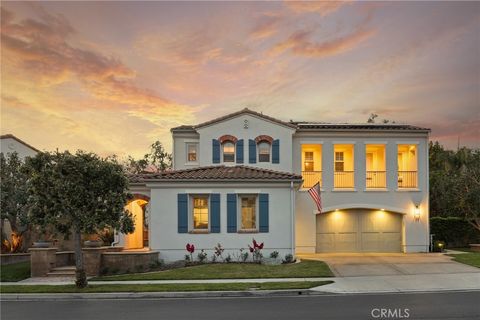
[116,239]
[292,213]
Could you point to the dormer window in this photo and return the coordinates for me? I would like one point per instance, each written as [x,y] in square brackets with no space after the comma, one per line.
[264,152]
[228,148]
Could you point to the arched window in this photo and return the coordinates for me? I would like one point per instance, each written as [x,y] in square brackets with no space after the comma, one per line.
[264,151]
[228,148]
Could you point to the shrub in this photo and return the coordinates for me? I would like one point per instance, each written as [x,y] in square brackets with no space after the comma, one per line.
[256,251]
[218,251]
[455,231]
[274,254]
[288,258]
[228,259]
[202,255]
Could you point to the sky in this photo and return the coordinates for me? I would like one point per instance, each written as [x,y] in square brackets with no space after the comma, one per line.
[113,77]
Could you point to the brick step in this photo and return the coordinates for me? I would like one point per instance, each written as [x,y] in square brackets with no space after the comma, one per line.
[66,271]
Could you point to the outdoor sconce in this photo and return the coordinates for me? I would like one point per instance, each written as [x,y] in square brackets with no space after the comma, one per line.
[416,214]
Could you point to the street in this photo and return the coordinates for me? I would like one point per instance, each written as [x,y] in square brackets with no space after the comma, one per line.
[451,305]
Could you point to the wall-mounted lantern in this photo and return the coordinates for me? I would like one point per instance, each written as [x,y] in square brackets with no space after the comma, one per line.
[416,213]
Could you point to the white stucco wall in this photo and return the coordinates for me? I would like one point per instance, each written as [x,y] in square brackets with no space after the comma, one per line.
[171,244]
[10,145]
[235,126]
[416,234]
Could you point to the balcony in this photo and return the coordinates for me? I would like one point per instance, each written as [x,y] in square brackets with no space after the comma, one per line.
[407,179]
[344,179]
[376,179]
[310,178]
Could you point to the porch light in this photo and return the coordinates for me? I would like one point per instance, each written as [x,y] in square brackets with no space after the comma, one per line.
[416,213]
[382,209]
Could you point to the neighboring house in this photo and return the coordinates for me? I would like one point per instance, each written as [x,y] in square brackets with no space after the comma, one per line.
[10,144]
[246,175]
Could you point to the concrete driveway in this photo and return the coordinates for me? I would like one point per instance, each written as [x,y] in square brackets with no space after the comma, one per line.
[385,264]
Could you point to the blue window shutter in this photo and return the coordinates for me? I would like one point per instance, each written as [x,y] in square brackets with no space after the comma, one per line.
[215,212]
[252,151]
[276,151]
[263,208]
[231,212]
[240,151]
[182,200]
[215,151]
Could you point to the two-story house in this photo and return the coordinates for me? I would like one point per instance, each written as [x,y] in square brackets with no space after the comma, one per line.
[246,175]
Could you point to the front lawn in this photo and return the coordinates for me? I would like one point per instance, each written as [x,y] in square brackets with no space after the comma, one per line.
[162,287]
[471,258]
[15,272]
[304,269]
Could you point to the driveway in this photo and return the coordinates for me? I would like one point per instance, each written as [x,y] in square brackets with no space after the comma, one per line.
[386,264]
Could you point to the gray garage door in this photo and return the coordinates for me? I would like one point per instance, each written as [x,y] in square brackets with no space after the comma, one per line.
[359,230]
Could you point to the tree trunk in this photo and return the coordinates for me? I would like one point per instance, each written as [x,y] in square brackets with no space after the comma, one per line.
[81,278]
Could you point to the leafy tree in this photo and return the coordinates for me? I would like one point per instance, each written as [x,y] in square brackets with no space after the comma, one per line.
[79,193]
[13,201]
[455,183]
[156,161]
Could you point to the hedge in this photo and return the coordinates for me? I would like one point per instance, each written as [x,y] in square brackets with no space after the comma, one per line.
[455,231]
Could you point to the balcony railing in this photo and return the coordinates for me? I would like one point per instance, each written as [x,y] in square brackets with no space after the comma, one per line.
[407,179]
[310,178]
[376,179]
[344,179]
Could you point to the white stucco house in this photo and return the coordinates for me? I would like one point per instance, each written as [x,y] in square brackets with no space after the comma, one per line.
[246,175]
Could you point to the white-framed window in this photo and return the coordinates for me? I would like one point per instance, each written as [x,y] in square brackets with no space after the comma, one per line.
[309,164]
[248,212]
[339,162]
[228,150]
[200,212]
[192,152]
[264,151]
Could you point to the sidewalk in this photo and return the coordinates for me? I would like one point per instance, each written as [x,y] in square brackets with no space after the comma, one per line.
[403,283]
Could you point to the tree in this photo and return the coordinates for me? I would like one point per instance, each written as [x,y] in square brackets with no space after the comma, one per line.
[79,193]
[156,161]
[13,201]
[455,183]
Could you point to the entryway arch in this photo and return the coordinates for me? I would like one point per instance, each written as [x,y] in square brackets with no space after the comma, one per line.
[140,209]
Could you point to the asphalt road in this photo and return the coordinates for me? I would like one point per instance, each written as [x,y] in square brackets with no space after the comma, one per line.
[452,305]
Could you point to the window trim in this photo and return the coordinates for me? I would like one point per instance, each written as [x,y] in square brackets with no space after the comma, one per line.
[339,161]
[191,213]
[239,216]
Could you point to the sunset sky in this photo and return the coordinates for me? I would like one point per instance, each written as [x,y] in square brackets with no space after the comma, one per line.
[112,77]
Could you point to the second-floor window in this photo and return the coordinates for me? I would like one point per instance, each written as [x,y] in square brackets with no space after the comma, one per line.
[192,152]
[228,149]
[339,162]
[309,162]
[264,152]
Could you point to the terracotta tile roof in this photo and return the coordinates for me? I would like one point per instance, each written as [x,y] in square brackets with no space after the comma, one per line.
[11,136]
[357,126]
[232,115]
[217,173]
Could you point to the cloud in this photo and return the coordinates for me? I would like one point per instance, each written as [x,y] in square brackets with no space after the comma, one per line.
[267,26]
[322,7]
[40,50]
[299,43]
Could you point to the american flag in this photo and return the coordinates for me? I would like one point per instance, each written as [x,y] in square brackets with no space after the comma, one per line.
[315,194]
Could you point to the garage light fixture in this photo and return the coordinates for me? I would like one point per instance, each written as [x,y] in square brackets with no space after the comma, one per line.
[416,213]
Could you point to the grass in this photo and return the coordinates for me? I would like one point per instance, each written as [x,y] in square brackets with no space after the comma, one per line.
[471,258]
[15,272]
[304,269]
[184,287]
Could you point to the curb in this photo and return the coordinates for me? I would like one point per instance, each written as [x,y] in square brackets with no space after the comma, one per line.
[154,295]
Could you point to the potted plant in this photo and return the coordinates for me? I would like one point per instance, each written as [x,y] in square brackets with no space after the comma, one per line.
[93,241]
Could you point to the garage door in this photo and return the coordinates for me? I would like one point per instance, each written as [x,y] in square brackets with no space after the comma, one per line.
[359,231]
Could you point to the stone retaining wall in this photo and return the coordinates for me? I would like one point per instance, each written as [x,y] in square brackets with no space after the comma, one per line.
[128,261]
[10,258]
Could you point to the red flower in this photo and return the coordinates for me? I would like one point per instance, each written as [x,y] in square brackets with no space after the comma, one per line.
[255,243]
[190,248]
[250,248]
[260,246]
